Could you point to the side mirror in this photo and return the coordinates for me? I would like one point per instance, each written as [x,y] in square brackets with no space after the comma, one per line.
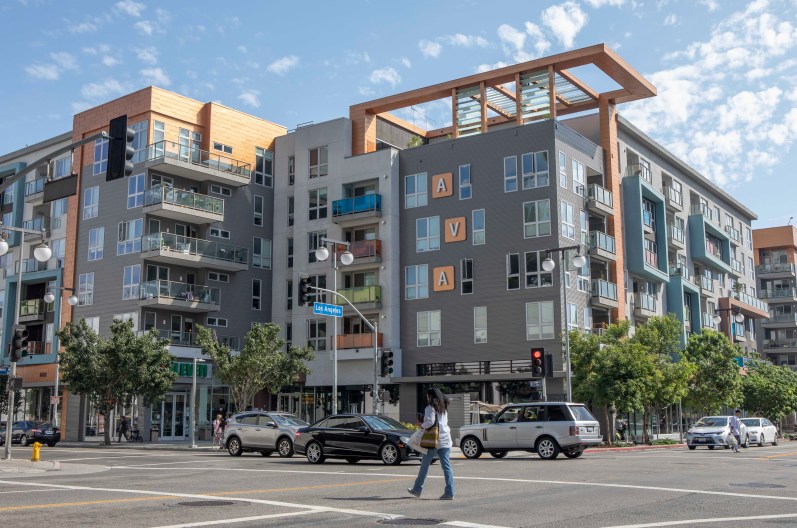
[364,429]
[272,425]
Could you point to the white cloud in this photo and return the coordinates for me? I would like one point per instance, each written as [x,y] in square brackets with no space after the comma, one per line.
[541,44]
[148,55]
[250,98]
[600,3]
[46,72]
[82,27]
[365,91]
[357,58]
[430,49]
[565,21]
[671,19]
[64,60]
[102,91]
[155,76]
[79,106]
[130,7]
[712,5]
[107,60]
[512,39]
[146,27]
[163,16]
[406,62]
[481,68]
[388,75]
[466,41]
[242,49]
[283,65]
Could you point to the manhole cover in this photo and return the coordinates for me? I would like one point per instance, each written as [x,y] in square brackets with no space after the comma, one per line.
[206,503]
[757,485]
[404,521]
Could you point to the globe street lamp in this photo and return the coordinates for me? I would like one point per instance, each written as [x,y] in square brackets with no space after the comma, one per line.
[738,317]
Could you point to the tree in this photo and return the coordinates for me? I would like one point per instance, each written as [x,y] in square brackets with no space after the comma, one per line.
[4,397]
[716,380]
[112,371]
[263,363]
[769,390]
[415,141]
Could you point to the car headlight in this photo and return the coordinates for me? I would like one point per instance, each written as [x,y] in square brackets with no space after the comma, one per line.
[404,439]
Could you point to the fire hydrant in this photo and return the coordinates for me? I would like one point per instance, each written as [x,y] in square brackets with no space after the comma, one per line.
[36,448]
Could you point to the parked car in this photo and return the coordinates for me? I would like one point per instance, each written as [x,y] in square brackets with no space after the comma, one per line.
[354,437]
[263,432]
[545,428]
[714,431]
[761,431]
[26,432]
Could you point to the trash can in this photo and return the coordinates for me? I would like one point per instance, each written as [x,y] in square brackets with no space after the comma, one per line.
[204,433]
[154,434]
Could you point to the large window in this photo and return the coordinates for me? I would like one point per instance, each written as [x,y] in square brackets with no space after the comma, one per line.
[572,317]
[264,167]
[535,169]
[536,218]
[85,289]
[567,212]
[513,271]
[465,189]
[562,169]
[427,234]
[130,280]
[158,137]
[96,243]
[313,243]
[579,177]
[290,210]
[510,174]
[261,253]
[317,208]
[257,294]
[100,157]
[536,277]
[416,282]
[428,333]
[319,165]
[478,225]
[290,252]
[130,237]
[140,141]
[289,295]
[58,246]
[257,212]
[539,320]
[415,190]
[480,324]
[466,276]
[91,202]
[135,191]
[317,334]
[63,167]
[291,170]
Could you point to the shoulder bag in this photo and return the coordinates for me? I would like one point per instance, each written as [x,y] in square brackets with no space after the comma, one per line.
[429,438]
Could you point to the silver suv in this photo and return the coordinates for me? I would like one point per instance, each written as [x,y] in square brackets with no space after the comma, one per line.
[547,428]
[264,432]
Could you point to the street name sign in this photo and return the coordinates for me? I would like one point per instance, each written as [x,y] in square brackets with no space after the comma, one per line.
[4,371]
[332,310]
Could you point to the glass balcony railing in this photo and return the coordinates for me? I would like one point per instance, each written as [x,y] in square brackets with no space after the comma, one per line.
[708,215]
[676,233]
[31,307]
[738,330]
[783,318]
[163,289]
[737,266]
[169,195]
[178,338]
[778,292]
[29,265]
[363,294]
[651,258]
[601,195]
[680,271]
[357,204]
[35,224]
[640,170]
[673,195]
[35,187]
[733,233]
[195,246]
[708,321]
[366,248]
[751,301]
[195,156]
[706,283]
[600,240]
[780,343]
[602,288]
[713,249]
[776,268]
[645,301]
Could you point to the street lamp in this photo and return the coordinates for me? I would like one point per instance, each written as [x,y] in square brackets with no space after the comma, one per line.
[548,265]
[193,403]
[737,316]
[346,258]
[72,300]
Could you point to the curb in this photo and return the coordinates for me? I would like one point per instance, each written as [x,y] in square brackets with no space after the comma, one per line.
[632,448]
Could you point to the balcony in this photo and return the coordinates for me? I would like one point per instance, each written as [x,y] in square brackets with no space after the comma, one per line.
[349,341]
[366,251]
[779,295]
[179,296]
[676,237]
[775,271]
[706,285]
[175,338]
[604,294]
[683,299]
[30,265]
[365,297]
[708,321]
[738,332]
[749,305]
[737,268]
[357,208]
[644,305]
[34,191]
[196,164]
[641,171]
[193,252]
[31,310]
[734,234]
[674,198]
[644,226]
[781,320]
[600,200]
[779,344]
[36,224]
[602,246]
[709,244]
[183,206]
[648,223]
[651,258]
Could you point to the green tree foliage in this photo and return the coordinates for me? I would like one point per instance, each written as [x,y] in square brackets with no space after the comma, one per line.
[769,390]
[415,141]
[4,397]
[112,371]
[716,381]
[263,363]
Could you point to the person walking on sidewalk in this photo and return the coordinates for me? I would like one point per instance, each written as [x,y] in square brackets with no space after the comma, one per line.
[218,431]
[436,414]
[736,429]
[122,429]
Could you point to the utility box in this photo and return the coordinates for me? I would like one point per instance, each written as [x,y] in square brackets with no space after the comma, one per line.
[458,413]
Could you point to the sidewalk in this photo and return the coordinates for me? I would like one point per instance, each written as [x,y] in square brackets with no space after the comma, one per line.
[26,467]
[204,445]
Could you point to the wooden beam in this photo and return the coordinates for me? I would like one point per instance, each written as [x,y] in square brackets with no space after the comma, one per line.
[454,112]
[551,91]
[494,107]
[406,125]
[504,91]
[483,108]
[575,81]
[518,100]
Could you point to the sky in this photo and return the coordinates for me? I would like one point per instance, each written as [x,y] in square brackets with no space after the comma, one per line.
[725,70]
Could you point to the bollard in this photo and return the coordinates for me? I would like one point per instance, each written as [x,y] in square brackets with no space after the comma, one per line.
[36,448]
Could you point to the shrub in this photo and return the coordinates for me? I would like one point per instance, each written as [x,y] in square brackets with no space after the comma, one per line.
[664,441]
[410,426]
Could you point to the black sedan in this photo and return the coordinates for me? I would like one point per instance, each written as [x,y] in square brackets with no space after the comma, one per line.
[26,432]
[354,437]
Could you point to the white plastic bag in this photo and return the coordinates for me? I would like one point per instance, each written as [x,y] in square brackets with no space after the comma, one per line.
[415,442]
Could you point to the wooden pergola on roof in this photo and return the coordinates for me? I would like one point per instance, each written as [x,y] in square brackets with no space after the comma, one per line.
[521,93]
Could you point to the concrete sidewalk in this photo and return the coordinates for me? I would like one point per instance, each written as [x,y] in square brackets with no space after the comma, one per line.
[19,467]
[167,446]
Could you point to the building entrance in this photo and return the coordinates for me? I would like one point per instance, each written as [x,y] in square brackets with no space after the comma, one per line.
[173,416]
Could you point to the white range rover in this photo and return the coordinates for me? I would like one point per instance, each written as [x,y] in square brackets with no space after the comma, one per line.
[547,428]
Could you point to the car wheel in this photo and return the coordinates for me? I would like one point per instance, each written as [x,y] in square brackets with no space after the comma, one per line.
[266,453]
[711,447]
[775,439]
[471,447]
[315,453]
[746,443]
[574,454]
[23,440]
[50,444]
[234,446]
[726,447]
[285,448]
[692,448]
[499,454]
[390,454]
[547,448]
[352,460]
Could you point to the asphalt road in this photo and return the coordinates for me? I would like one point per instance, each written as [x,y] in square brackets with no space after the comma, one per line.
[674,487]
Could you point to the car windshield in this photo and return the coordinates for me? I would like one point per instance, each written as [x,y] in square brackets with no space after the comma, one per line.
[581,413]
[382,423]
[286,419]
[751,422]
[712,421]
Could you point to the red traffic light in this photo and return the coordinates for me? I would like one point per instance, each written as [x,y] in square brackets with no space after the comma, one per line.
[536,353]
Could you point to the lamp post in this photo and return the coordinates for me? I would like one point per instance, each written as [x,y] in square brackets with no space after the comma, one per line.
[193,403]
[738,317]
[548,265]
[42,253]
[346,258]
[72,300]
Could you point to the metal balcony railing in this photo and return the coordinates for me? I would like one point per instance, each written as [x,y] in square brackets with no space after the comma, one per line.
[195,246]
[706,283]
[35,224]
[783,318]
[778,292]
[35,186]
[31,307]
[639,170]
[169,195]
[673,195]
[680,271]
[158,289]
[645,301]
[195,156]
[178,338]
[751,301]
[600,194]
[738,330]
[651,258]
[357,204]
[733,233]
[780,343]
[510,366]
[776,268]
[676,233]
[598,239]
[708,321]
[363,294]
[713,249]
[29,265]
[737,266]
[602,288]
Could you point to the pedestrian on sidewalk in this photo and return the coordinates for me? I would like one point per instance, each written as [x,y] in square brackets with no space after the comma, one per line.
[436,416]
[619,426]
[218,431]
[736,429]
[123,429]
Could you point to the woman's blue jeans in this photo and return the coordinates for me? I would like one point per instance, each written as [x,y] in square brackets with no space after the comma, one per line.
[445,463]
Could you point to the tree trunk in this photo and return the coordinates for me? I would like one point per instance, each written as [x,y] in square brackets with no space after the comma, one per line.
[106,419]
[645,426]
[610,426]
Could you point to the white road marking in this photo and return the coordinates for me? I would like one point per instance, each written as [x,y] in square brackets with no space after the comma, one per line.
[32,491]
[240,519]
[463,524]
[706,521]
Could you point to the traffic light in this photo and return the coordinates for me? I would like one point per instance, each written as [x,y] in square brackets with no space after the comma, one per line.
[304,291]
[386,363]
[538,362]
[19,345]
[120,149]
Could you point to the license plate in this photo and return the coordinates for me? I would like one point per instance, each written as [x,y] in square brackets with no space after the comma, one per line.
[702,440]
[48,432]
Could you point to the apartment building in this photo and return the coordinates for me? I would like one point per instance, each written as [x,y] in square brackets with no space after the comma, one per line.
[323,192]
[775,258]
[23,207]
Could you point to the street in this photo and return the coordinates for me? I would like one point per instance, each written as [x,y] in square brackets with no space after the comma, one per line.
[163,488]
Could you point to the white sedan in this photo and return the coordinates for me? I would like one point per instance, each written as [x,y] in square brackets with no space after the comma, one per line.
[761,431]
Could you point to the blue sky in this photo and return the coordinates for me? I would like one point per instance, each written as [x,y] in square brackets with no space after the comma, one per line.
[726,70]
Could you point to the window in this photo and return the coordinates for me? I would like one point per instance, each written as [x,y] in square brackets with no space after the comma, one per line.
[290,211]
[583,227]
[63,167]
[536,277]
[135,191]
[319,281]
[219,233]
[261,253]
[750,269]
[536,218]
[480,324]
[427,234]
[649,213]
[539,320]
[96,243]
[568,221]
[415,190]
[289,296]
[257,293]
[587,318]
[572,317]
[100,157]
[288,336]
[510,174]
[562,170]
[291,170]
[91,202]
[130,237]
[466,276]
[93,323]
[313,243]
[158,137]
[748,238]
[513,271]
[318,162]
[478,233]
[221,147]
[218,277]
[290,252]
[85,289]
[416,282]
[140,141]
[58,247]
[317,208]
[217,321]
[257,218]
[428,332]
[218,189]
[317,334]
[264,167]
[465,190]
[157,179]
[130,281]
[579,178]
[60,207]
[534,166]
